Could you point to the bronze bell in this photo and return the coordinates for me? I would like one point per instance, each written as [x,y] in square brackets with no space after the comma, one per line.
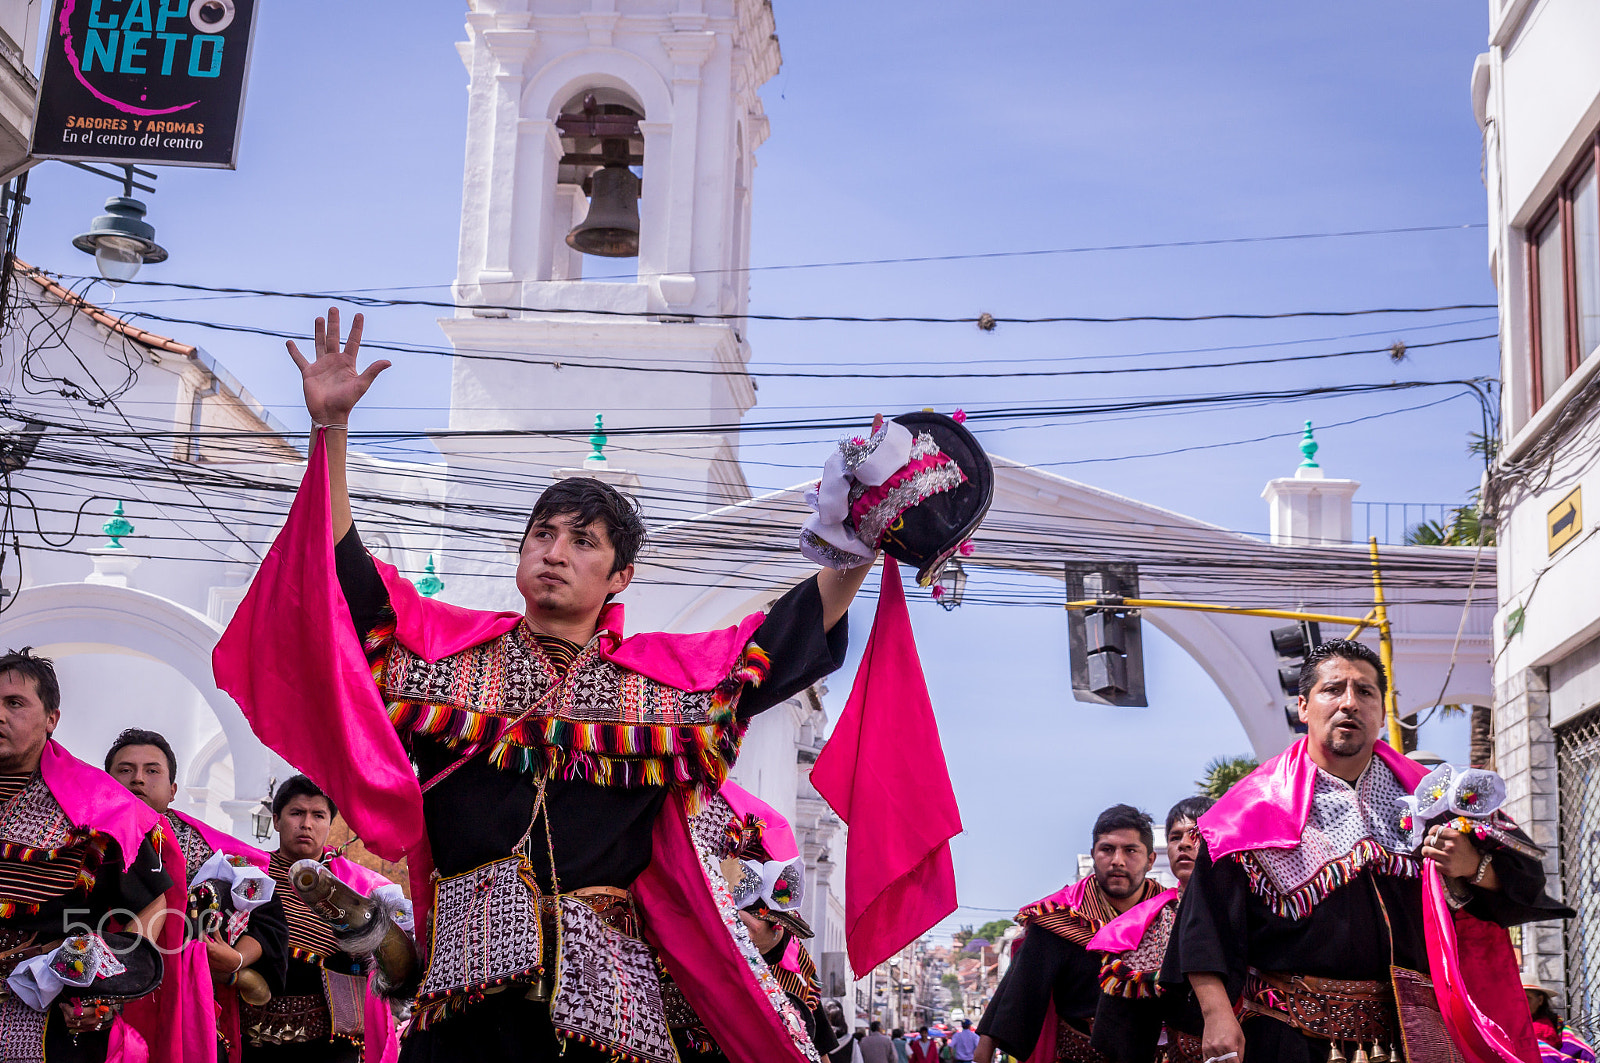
[611,228]
[1361,1054]
[1380,1053]
[1336,1053]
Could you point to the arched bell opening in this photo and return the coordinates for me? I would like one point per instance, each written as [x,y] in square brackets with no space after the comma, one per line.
[600,168]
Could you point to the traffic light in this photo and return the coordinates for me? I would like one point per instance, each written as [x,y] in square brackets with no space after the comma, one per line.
[1293,644]
[1104,645]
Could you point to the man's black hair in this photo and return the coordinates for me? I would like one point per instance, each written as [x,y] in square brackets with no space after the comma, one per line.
[1350,650]
[966,1024]
[134,736]
[1124,817]
[898,1032]
[299,786]
[42,670]
[589,500]
[1190,808]
[877,1027]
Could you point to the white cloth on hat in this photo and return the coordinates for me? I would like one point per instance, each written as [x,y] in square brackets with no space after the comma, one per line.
[251,887]
[40,980]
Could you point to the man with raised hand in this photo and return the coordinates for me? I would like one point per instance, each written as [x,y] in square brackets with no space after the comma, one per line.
[1305,912]
[553,763]
[1043,1008]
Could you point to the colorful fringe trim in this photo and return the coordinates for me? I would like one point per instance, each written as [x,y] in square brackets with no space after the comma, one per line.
[1119,979]
[1367,854]
[695,758]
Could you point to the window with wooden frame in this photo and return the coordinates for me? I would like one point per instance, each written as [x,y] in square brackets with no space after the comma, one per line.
[1564,277]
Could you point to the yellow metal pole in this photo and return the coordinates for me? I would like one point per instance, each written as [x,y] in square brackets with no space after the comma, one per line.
[1385,651]
[1361,622]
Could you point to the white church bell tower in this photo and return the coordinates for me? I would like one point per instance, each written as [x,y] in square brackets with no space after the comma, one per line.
[574,108]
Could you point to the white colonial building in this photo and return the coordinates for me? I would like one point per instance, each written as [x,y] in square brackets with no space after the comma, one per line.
[1536,94]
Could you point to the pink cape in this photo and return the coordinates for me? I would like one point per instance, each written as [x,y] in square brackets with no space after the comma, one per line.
[1124,933]
[93,799]
[778,837]
[180,1019]
[1068,896]
[1267,809]
[883,771]
[291,659]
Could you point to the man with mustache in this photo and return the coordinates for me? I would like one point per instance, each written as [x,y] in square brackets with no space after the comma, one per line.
[1128,1020]
[1306,891]
[1041,1010]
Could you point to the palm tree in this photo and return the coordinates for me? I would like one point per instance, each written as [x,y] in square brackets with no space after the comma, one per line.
[1223,772]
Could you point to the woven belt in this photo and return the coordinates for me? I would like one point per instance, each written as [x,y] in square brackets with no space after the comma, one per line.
[1334,1009]
[614,906]
[286,1020]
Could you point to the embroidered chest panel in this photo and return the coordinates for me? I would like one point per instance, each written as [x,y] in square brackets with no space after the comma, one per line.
[1152,949]
[193,846]
[1349,829]
[505,676]
[34,818]
[599,723]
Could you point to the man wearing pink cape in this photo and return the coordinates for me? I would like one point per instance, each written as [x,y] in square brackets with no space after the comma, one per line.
[1044,1006]
[200,1013]
[78,855]
[537,769]
[1306,912]
[1132,1010]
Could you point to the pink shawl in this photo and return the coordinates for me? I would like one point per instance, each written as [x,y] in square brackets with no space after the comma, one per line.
[180,1019]
[95,800]
[292,661]
[1125,932]
[1068,896]
[883,771]
[1267,810]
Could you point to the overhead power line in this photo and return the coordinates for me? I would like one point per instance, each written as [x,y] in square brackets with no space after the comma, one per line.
[976,319]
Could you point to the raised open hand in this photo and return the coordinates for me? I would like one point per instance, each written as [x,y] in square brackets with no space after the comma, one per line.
[332,383]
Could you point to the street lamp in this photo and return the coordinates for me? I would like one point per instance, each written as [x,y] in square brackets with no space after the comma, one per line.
[261,818]
[120,239]
[951,585]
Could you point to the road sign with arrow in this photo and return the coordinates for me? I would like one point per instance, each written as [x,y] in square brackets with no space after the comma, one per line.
[1565,520]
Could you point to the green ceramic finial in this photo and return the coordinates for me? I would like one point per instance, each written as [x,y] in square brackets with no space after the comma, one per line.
[598,440]
[429,585]
[117,527]
[1308,447]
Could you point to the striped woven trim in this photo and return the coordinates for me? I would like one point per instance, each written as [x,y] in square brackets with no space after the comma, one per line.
[1078,925]
[1367,854]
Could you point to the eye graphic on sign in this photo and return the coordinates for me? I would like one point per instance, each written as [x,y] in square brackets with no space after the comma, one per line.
[211,16]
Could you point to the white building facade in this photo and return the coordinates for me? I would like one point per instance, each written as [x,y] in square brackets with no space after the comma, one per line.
[1536,95]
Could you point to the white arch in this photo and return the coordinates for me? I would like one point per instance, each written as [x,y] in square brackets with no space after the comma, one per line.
[65,619]
[560,79]
[1234,651]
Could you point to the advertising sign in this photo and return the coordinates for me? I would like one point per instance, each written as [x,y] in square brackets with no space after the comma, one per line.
[144,81]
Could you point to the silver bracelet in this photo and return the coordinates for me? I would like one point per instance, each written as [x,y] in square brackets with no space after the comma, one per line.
[1483,868]
[345,426]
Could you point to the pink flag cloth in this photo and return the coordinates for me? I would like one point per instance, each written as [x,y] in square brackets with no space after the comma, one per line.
[125,1045]
[1068,896]
[1267,809]
[1125,932]
[1476,977]
[291,660]
[778,836]
[884,773]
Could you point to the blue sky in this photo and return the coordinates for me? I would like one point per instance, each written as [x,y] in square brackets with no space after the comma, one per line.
[901,130]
